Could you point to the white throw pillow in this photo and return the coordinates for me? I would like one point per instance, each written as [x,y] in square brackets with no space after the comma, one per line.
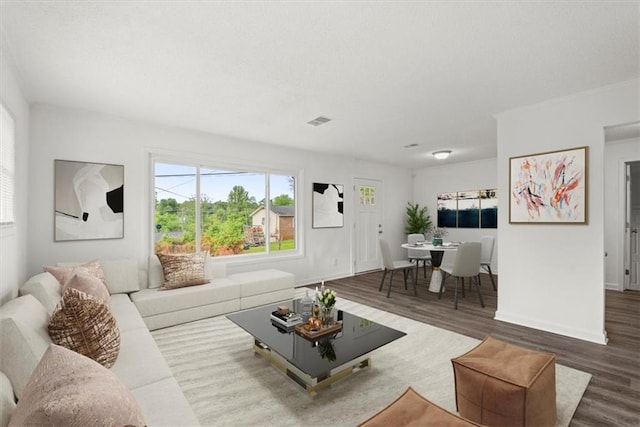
[45,288]
[156,276]
[121,275]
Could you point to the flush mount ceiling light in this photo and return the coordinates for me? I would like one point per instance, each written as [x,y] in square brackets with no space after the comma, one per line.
[441,155]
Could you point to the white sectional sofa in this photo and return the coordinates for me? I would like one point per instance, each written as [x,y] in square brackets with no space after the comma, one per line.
[140,365]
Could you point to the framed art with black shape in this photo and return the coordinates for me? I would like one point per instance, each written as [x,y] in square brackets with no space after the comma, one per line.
[550,187]
[89,201]
[328,205]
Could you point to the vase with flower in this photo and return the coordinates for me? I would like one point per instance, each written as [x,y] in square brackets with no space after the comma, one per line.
[326,300]
[437,234]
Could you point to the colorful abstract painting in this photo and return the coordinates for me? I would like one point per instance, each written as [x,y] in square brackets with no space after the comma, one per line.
[549,187]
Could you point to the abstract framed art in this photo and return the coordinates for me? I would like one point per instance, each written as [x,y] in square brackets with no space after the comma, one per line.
[550,187]
[328,205]
[89,201]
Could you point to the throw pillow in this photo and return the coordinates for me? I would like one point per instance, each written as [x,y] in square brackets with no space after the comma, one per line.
[85,325]
[63,272]
[67,389]
[87,283]
[183,270]
[121,275]
[156,277]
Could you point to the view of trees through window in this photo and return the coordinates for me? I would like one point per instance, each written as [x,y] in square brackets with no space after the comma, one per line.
[223,212]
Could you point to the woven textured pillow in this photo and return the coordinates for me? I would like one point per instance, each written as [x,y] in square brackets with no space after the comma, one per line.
[63,273]
[67,389]
[87,283]
[183,270]
[85,325]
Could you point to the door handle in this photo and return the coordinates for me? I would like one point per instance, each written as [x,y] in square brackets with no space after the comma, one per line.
[379,231]
[634,230]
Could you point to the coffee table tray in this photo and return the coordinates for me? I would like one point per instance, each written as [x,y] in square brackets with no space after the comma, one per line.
[306,331]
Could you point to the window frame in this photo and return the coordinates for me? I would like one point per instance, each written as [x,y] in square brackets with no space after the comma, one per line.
[10,198]
[199,162]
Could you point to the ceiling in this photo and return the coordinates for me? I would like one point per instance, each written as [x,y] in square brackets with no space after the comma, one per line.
[388,74]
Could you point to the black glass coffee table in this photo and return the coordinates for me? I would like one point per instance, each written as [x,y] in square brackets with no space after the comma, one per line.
[319,362]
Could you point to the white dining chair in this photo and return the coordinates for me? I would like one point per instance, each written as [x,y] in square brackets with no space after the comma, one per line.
[486,255]
[418,255]
[466,265]
[391,266]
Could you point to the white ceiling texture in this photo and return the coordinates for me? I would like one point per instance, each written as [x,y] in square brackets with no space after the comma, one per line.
[388,73]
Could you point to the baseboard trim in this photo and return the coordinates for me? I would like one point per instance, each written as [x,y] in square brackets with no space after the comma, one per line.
[598,338]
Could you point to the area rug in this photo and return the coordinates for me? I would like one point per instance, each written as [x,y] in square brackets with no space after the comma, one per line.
[227,385]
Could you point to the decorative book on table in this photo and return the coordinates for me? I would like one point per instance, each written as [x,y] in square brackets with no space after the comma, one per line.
[286,320]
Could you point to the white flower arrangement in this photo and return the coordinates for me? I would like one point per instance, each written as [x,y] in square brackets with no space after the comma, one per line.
[327,298]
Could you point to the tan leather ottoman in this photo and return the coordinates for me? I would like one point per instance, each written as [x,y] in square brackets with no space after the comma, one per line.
[500,384]
[411,409]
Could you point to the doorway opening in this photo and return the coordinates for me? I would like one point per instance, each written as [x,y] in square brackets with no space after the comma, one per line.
[622,206]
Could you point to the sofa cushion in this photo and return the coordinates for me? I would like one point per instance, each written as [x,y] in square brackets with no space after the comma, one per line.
[23,323]
[88,284]
[164,404]
[45,288]
[150,302]
[126,315]
[182,270]
[121,275]
[67,389]
[85,325]
[62,271]
[263,281]
[7,400]
[140,361]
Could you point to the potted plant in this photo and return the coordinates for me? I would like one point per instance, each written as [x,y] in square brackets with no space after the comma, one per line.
[418,219]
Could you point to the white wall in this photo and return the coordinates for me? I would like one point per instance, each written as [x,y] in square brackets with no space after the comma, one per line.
[59,133]
[615,155]
[552,276]
[477,175]
[13,239]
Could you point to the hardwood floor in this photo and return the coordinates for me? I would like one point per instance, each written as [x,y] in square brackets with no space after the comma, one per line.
[613,395]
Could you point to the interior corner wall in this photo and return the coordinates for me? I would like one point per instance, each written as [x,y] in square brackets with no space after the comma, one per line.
[62,133]
[615,155]
[476,175]
[552,276]
[13,239]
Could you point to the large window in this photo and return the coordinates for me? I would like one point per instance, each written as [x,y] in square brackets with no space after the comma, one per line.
[7,162]
[225,212]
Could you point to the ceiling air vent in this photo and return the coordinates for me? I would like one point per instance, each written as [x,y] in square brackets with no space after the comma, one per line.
[320,120]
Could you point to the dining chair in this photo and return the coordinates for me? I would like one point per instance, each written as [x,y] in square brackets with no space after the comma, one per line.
[391,266]
[466,265]
[486,255]
[418,255]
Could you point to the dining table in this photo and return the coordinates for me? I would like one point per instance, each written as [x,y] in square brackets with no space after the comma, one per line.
[437,252]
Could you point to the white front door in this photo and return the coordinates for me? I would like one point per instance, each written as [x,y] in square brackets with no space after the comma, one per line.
[368,224]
